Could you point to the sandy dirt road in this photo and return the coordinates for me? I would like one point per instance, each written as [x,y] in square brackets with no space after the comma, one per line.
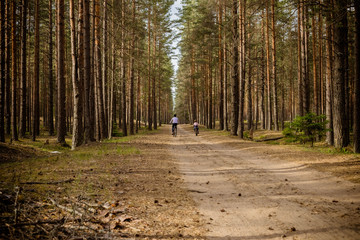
[246,195]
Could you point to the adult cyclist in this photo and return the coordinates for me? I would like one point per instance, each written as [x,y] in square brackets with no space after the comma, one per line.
[174,122]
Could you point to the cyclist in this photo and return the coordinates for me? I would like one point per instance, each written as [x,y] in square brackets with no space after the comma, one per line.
[196,126]
[174,122]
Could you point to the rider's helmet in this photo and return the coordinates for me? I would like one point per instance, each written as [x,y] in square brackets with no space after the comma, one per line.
[174,115]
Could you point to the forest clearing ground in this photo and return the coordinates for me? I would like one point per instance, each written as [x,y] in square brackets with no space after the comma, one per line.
[124,188]
[248,190]
[132,188]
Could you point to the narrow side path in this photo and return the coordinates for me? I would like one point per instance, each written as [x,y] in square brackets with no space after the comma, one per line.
[246,195]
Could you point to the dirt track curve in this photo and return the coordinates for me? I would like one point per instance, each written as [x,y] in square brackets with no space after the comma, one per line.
[246,195]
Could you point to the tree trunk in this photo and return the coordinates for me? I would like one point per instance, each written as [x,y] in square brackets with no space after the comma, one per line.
[132,72]
[14,133]
[235,76]
[153,98]
[23,82]
[340,38]
[221,69]
[104,73]
[8,66]
[149,120]
[2,71]
[77,137]
[315,79]
[111,95]
[50,74]
[225,70]
[300,77]
[210,97]
[60,46]
[87,74]
[123,73]
[273,42]
[268,75]
[262,86]
[242,66]
[192,76]
[99,80]
[36,100]
[357,80]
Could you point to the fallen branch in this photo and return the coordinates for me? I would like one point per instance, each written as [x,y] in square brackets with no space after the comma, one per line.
[17,190]
[66,208]
[56,182]
[269,139]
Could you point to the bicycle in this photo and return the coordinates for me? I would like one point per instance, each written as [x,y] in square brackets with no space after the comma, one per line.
[196,131]
[174,131]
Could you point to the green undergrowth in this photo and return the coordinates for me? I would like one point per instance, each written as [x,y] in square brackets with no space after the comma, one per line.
[265,136]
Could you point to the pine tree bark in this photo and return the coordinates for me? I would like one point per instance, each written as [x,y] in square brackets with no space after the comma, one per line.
[274,67]
[315,78]
[123,69]
[36,87]
[357,80]
[132,72]
[242,66]
[262,66]
[235,72]
[299,75]
[112,116]
[104,62]
[221,68]
[14,132]
[268,75]
[61,89]
[23,82]
[99,80]
[153,97]
[8,66]
[77,137]
[149,115]
[340,38]
[2,71]
[50,73]
[87,73]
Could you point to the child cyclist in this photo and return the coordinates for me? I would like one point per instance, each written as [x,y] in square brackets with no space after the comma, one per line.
[196,126]
[174,122]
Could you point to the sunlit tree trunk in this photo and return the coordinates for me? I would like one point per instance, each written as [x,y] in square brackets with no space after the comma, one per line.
[268,75]
[221,68]
[132,77]
[123,69]
[77,91]
[149,112]
[329,77]
[274,70]
[235,72]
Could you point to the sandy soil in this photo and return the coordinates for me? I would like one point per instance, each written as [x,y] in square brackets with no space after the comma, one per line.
[155,186]
[248,190]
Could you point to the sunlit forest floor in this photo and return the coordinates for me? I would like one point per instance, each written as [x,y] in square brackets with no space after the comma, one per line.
[119,188]
[123,187]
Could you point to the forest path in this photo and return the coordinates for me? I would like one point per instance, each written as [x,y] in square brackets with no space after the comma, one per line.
[246,195]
